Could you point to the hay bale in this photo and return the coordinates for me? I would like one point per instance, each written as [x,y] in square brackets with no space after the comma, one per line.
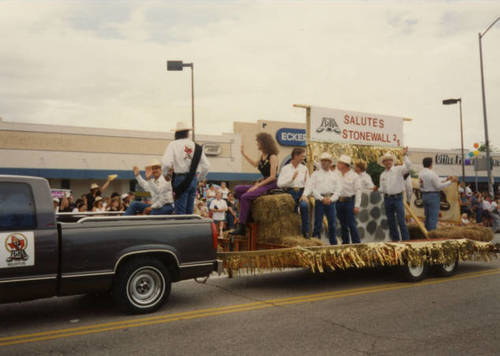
[272,207]
[276,218]
[293,241]
[471,232]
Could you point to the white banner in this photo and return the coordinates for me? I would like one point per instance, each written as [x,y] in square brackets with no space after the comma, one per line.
[359,128]
[17,249]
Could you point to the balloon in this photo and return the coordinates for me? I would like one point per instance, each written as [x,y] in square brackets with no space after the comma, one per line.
[476,145]
[471,154]
[476,153]
[467,162]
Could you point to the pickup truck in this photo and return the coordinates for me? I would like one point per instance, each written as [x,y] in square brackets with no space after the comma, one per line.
[136,258]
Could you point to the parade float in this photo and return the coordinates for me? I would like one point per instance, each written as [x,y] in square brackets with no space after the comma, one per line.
[274,241]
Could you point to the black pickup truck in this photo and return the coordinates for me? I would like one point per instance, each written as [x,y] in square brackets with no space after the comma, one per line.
[135,258]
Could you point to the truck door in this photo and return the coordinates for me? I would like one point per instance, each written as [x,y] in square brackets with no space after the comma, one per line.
[28,252]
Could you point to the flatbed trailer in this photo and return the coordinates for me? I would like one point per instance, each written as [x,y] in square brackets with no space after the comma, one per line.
[415,258]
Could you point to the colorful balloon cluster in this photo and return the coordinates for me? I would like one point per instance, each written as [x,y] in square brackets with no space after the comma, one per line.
[475,152]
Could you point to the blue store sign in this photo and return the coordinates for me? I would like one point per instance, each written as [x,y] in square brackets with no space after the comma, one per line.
[291,137]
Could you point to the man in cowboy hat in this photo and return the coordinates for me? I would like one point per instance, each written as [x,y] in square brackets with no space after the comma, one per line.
[293,178]
[326,192]
[159,188]
[349,201]
[392,186]
[96,191]
[189,165]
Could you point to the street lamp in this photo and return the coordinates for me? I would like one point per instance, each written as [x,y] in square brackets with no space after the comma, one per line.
[179,66]
[451,102]
[486,139]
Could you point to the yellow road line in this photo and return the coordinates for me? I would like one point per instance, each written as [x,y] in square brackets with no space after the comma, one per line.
[103,327]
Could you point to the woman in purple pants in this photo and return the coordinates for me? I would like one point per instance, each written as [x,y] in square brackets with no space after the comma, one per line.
[268,167]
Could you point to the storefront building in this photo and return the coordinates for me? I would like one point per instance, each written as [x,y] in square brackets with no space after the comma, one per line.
[74,157]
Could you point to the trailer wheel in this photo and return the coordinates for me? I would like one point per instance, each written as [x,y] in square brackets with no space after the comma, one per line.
[141,286]
[447,270]
[414,273]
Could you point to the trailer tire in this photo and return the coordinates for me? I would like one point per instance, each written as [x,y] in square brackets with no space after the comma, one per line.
[414,273]
[446,270]
[141,286]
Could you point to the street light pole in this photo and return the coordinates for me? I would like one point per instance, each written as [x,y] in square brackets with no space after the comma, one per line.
[192,98]
[459,101]
[486,138]
[179,66]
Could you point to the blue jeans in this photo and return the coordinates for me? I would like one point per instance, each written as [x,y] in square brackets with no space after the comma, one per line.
[230,220]
[166,209]
[432,203]
[345,212]
[321,209]
[394,208]
[304,210]
[136,207]
[184,203]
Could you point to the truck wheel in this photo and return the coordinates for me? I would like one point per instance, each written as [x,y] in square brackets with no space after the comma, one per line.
[414,273]
[447,270]
[141,286]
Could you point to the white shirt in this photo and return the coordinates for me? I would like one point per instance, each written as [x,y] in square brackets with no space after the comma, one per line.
[217,205]
[408,189]
[285,179]
[392,180]
[211,193]
[179,154]
[224,192]
[430,181]
[486,205]
[325,182]
[160,190]
[350,185]
[366,182]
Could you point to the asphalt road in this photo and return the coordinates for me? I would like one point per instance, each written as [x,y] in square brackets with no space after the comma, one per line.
[285,313]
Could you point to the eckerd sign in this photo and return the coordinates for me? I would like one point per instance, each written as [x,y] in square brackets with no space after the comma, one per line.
[291,137]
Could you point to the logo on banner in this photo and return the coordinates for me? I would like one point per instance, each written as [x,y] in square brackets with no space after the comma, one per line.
[16,245]
[328,124]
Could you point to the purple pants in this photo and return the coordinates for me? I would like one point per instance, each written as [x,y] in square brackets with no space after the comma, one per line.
[245,197]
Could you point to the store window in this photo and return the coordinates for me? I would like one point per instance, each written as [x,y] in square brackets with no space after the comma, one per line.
[17,208]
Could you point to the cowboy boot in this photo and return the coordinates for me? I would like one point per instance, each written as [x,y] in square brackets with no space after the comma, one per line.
[240,230]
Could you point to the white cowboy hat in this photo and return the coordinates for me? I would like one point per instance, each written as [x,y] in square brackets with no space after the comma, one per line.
[94,186]
[154,163]
[182,126]
[345,159]
[326,156]
[97,199]
[124,196]
[55,200]
[386,156]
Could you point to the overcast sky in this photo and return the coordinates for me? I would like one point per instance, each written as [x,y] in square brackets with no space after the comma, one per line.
[102,64]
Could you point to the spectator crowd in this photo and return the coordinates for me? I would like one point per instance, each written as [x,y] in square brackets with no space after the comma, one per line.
[478,208]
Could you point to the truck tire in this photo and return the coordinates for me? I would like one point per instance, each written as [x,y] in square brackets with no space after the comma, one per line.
[414,273]
[141,286]
[446,270]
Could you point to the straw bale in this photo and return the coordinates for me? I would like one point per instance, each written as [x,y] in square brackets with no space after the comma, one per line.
[276,218]
[471,232]
[272,207]
[292,241]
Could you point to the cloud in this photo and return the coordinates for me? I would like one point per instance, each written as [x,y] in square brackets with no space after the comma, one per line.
[102,64]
